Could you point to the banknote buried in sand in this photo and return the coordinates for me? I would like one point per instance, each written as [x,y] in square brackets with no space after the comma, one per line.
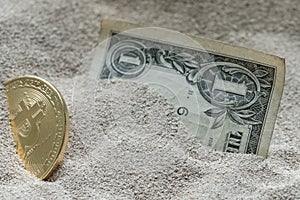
[227,96]
[39,123]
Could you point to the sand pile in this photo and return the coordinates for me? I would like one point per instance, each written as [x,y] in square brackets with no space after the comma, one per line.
[125,141]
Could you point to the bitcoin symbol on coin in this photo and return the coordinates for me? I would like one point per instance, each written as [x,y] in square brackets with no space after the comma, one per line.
[26,123]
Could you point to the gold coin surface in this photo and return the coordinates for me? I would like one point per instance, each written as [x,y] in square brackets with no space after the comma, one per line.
[39,122]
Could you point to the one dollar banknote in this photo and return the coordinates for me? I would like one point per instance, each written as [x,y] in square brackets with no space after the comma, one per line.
[227,96]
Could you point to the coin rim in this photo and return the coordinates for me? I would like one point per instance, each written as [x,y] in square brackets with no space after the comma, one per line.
[60,156]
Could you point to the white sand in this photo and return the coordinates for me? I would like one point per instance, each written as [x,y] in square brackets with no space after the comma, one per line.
[129,144]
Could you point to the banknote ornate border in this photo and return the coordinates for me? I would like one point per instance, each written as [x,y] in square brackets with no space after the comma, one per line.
[191,64]
[186,65]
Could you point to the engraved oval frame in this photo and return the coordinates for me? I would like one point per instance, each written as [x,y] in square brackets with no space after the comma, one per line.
[246,71]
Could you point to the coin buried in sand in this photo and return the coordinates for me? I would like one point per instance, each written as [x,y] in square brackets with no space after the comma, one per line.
[39,122]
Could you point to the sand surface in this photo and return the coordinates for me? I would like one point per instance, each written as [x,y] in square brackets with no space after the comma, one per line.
[128,144]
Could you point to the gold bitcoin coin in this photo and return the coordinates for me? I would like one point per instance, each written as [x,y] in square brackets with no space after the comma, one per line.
[39,122]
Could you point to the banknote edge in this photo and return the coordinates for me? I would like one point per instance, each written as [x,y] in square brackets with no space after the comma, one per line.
[206,43]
